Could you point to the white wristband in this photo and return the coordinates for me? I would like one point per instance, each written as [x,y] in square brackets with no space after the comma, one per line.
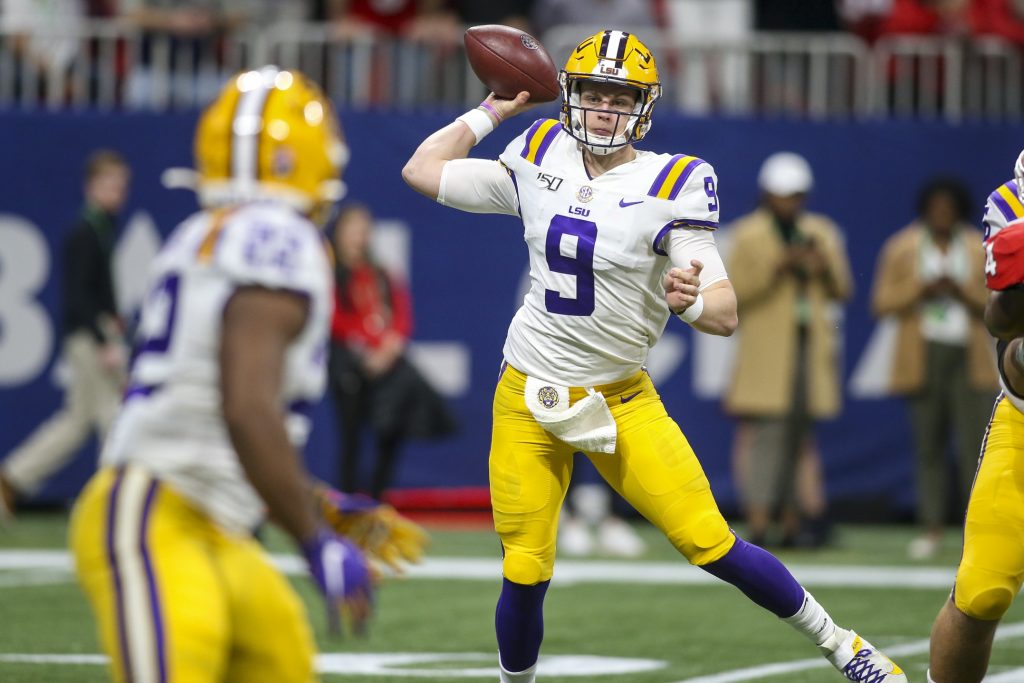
[479,122]
[694,311]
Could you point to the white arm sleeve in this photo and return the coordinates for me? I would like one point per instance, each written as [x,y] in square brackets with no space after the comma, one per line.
[685,244]
[478,186]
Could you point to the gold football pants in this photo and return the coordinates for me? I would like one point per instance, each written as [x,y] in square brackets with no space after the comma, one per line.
[992,567]
[653,468]
[178,600]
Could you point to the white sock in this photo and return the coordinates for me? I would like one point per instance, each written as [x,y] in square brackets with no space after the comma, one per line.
[813,621]
[528,676]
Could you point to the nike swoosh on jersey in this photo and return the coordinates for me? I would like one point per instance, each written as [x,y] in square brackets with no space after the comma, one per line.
[627,399]
[623,203]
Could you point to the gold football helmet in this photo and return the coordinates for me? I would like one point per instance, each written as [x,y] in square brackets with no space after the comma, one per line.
[609,57]
[272,134]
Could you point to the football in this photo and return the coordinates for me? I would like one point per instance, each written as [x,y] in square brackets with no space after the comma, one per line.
[509,61]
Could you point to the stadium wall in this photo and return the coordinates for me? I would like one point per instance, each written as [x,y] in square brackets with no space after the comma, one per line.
[466,272]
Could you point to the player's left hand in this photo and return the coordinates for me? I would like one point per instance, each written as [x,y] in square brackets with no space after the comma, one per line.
[378,529]
[343,575]
[681,286]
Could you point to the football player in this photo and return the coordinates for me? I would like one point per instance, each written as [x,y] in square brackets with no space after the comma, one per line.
[230,351]
[992,565]
[603,222]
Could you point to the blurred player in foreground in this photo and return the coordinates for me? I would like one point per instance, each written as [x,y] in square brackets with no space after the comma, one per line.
[992,565]
[230,349]
[603,221]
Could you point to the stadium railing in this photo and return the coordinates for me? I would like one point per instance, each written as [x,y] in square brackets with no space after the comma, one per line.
[804,76]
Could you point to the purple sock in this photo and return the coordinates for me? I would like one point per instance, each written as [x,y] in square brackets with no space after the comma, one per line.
[519,623]
[761,577]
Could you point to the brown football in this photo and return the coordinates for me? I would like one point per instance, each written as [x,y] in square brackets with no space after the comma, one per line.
[509,61]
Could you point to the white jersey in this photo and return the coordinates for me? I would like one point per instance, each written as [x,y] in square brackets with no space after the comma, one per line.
[596,303]
[1003,208]
[171,422]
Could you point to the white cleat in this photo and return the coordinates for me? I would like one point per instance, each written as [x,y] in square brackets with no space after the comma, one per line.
[574,539]
[858,660]
[618,539]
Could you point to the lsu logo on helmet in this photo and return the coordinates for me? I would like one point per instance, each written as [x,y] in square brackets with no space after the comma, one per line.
[271,133]
[609,57]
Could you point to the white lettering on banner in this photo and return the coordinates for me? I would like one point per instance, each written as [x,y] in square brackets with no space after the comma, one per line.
[26,331]
[139,244]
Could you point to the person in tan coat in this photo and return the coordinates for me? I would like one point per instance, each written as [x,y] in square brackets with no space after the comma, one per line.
[789,267]
[930,277]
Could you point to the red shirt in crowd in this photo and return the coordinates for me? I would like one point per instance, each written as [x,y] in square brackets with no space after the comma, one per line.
[372,306]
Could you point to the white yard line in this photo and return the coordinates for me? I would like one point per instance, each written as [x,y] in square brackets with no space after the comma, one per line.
[569,572]
[916,647]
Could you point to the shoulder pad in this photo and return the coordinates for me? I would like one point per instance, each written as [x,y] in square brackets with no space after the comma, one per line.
[1005,200]
[673,176]
[538,140]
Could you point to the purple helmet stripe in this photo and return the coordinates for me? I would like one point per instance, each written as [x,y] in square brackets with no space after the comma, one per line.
[115,572]
[681,180]
[154,596]
[653,192]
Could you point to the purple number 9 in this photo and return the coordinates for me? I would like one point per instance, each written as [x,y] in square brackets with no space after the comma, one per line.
[581,265]
[709,190]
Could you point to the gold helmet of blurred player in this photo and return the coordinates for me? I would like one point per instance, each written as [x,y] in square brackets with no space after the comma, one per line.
[613,57]
[270,134]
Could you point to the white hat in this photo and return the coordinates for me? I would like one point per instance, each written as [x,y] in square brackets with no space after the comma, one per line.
[784,174]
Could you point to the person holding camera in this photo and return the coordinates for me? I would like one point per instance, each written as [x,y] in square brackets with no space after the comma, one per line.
[789,268]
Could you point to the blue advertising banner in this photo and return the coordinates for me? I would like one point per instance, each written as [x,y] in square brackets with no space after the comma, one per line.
[466,272]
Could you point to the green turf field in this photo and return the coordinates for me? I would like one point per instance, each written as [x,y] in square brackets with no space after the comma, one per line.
[647,616]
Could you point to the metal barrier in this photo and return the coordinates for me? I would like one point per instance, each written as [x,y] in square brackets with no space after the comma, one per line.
[805,76]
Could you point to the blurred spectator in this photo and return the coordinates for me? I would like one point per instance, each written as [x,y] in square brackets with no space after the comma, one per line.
[1004,18]
[788,267]
[181,57]
[93,348]
[588,523]
[930,277]
[427,21]
[711,79]
[872,19]
[508,12]
[45,40]
[379,40]
[796,15]
[371,381]
[617,14]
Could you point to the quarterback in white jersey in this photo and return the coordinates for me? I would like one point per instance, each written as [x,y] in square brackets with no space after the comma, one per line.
[991,569]
[230,350]
[603,223]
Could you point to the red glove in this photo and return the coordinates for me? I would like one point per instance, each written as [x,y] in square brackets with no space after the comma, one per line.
[1004,258]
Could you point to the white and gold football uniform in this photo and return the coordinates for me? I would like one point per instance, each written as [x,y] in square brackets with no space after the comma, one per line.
[162,535]
[598,250]
[992,567]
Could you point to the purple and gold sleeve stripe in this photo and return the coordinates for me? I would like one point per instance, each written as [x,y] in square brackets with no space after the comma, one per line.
[1005,199]
[539,139]
[672,178]
[680,223]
